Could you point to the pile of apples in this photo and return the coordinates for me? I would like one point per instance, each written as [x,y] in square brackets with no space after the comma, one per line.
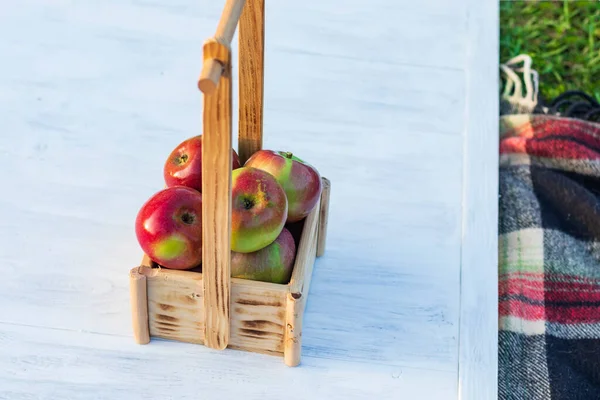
[271,192]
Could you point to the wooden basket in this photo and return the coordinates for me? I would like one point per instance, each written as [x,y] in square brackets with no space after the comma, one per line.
[211,308]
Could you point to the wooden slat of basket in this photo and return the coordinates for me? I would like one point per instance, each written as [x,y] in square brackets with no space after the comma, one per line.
[324,216]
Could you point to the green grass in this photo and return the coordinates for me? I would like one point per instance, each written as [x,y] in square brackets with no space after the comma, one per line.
[562,38]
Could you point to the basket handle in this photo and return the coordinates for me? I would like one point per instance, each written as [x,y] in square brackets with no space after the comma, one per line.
[251,78]
[215,83]
[217,53]
[212,68]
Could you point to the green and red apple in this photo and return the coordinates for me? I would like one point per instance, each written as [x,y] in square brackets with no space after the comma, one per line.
[259,209]
[183,167]
[273,263]
[300,180]
[168,227]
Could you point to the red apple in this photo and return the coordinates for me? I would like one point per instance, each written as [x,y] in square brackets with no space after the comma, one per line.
[184,165]
[273,263]
[259,209]
[169,227]
[300,180]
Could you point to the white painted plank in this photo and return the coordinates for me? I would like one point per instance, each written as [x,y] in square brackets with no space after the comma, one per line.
[478,348]
[53,364]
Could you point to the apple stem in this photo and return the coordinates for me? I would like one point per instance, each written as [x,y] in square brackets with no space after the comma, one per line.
[288,154]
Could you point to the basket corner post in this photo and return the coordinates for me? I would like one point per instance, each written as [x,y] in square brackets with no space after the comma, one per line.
[138,292]
[292,346]
[323,216]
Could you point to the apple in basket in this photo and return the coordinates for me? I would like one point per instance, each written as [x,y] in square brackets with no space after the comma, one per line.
[184,165]
[259,209]
[169,227]
[273,263]
[300,180]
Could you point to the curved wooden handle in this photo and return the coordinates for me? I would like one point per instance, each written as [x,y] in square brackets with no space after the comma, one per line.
[212,67]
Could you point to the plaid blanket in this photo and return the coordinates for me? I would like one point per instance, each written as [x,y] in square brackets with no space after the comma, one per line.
[549,259]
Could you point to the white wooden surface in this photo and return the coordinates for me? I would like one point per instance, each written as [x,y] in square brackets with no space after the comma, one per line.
[388,99]
[478,329]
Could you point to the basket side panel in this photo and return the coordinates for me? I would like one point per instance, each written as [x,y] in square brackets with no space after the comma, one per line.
[175,307]
[258,316]
[176,310]
[305,256]
[323,217]
[296,301]
[299,288]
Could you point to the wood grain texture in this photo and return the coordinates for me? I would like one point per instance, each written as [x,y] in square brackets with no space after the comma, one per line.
[176,310]
[382,318]
[258,316]
[175,305]
[216,211]
[251,78]
[478,346]
[323,217]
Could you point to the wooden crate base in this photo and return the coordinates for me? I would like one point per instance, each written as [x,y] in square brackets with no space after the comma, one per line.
[265,317]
